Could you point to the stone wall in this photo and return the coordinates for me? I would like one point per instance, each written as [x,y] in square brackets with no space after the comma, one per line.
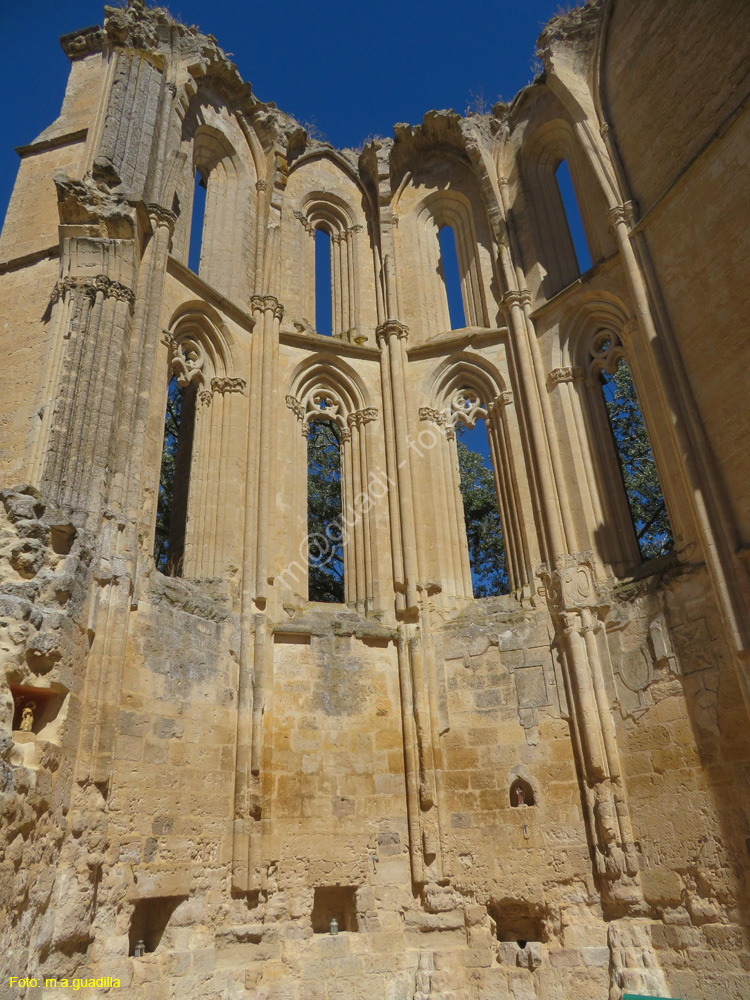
[537,795]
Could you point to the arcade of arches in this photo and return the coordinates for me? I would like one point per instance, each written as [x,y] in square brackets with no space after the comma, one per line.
[247,692]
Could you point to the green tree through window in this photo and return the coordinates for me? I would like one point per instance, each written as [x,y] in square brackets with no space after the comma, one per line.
[483,531]
[324,516]
[645,497]
[167,477]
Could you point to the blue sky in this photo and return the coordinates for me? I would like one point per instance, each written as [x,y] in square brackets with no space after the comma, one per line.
[353,69]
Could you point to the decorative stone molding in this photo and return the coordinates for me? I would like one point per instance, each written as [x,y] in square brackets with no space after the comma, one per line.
[265,303]
[467,407]
[558,375]
[305,222]
[571,585]
[228,383]
[392,327]
[504,399]
[91,287]
[295,406]
[82,43]
[262,185]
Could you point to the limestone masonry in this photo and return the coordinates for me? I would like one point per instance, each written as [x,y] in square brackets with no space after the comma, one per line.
[539,795]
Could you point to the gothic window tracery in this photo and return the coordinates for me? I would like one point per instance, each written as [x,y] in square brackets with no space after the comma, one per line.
[465,395]
[332,461]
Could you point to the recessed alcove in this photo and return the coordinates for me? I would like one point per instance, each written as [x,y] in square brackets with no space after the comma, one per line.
[334,901]
[517,921]
[149,921]
[521,793]
[46,705]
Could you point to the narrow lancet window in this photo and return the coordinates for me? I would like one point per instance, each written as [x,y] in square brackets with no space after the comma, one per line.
[197,221]
[451,276]
[324,512]
[636,458]
[323,286]
[484,534]
[174,479]
[573,216]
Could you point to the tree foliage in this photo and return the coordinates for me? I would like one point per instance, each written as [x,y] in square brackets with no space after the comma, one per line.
[644,492]
[167,477]
[483,530]
[324,521]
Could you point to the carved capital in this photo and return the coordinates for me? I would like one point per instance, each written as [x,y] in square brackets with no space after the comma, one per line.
[511,299]
[228,383]
[161,216]
[261,185]
[622,214]
[391,328]
[345,435]
[430,413]
[558,375]
[366,415]
[266,303]
[205,397]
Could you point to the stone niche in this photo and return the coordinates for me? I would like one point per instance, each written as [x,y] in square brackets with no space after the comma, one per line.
[335,901]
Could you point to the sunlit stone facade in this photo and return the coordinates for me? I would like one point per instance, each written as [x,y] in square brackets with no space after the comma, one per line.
[539,795]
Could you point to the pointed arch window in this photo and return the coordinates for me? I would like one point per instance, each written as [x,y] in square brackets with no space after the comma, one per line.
[573,218]
[192,533]
[336,505]
[325,527]
[197,222]
[610,373]
[323,284]
[485,547]
[484,533]
[174,478]
[449,271]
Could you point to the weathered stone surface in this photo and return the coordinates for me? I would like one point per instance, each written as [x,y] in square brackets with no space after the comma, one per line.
[541,794]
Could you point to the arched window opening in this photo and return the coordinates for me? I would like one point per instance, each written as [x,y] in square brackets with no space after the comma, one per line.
[484,533]
[450,273]
[174,478]
[197,221]
[573,216]
[636,459]
[325,525]
[323,286]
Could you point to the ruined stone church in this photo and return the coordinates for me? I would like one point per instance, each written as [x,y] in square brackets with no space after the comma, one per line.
[213,787]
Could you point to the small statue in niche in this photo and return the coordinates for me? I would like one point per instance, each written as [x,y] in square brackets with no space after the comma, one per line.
[27,717]
[521,793]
